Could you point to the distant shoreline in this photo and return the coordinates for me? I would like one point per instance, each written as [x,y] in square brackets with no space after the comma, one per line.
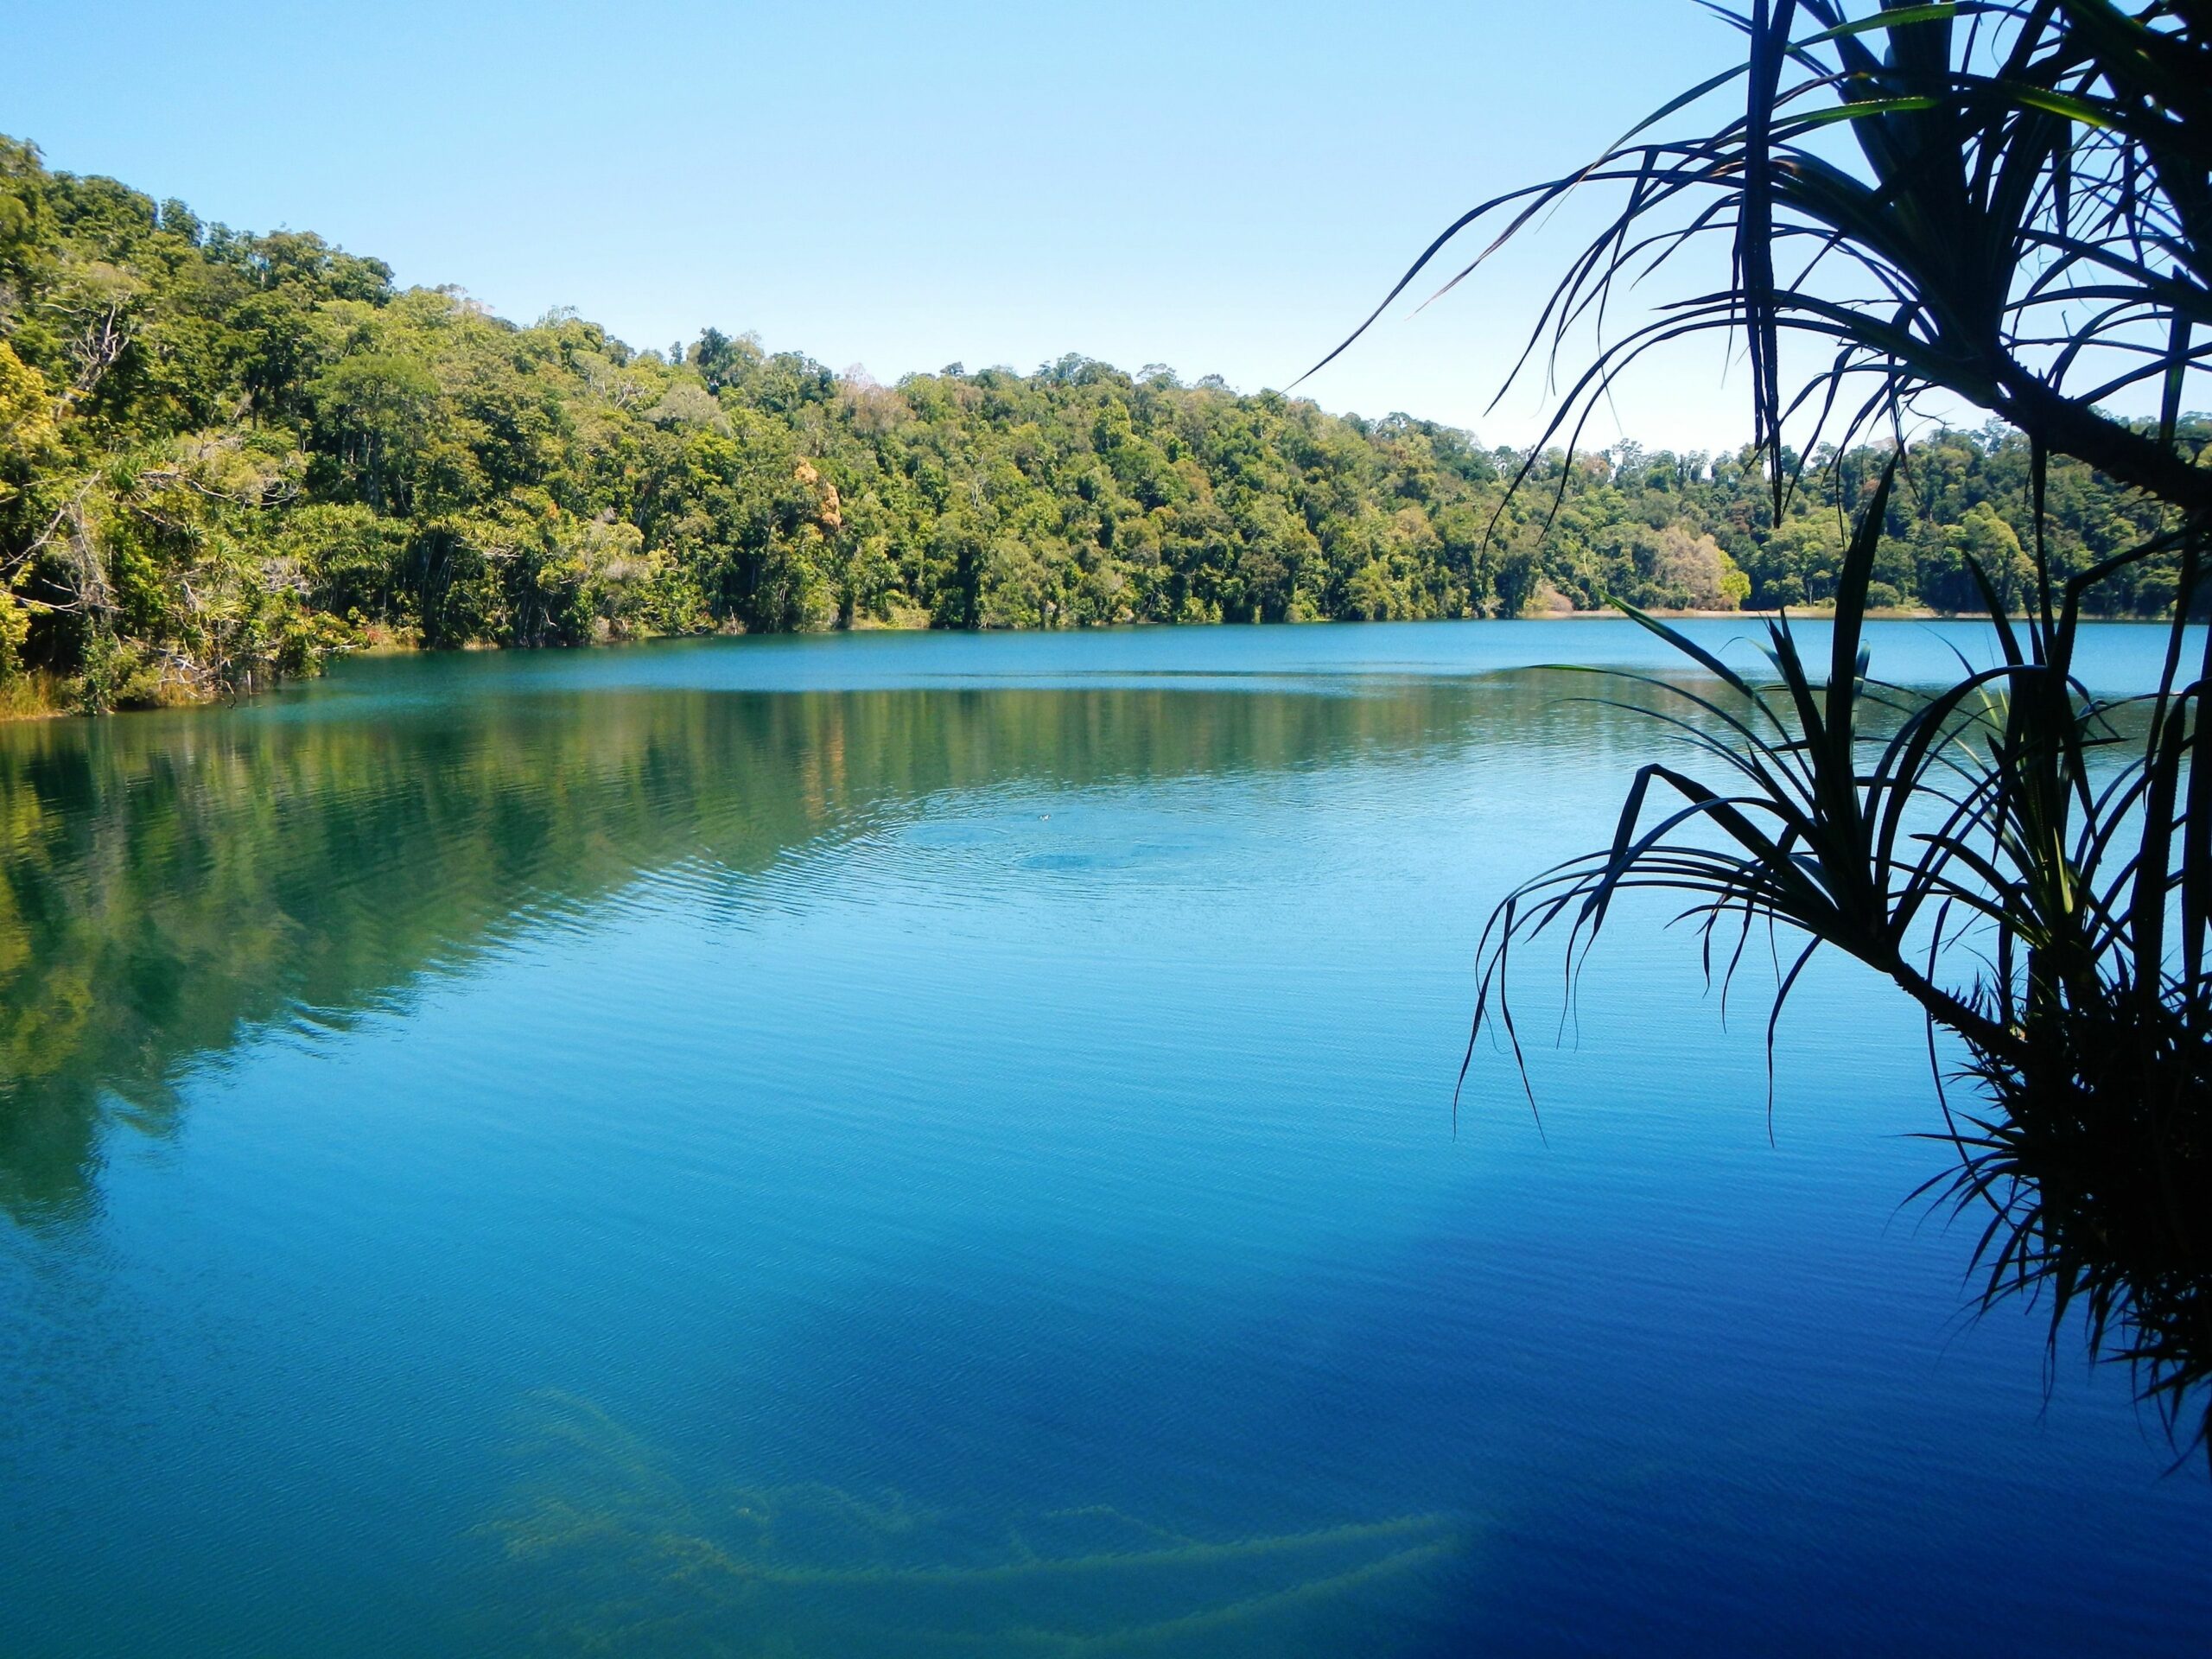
[1808,612]
[338,458]
[39,705]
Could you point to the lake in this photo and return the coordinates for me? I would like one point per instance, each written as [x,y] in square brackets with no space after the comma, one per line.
[897,1144]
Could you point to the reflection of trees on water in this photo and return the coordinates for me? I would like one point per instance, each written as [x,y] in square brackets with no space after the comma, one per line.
[168,882]
[606,1547]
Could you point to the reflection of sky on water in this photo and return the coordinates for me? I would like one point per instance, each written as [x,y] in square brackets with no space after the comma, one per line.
[965,1125]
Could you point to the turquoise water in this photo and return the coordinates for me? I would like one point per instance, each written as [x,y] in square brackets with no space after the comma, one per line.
[931,1145]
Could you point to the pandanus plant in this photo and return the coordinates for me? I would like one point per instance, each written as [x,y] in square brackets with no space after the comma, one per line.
[2050,845]
[2027,224]
[2023,226]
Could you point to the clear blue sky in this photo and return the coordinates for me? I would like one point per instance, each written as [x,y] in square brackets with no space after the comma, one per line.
[1223,188]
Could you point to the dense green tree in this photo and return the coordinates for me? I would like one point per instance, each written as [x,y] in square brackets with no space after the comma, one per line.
[223,454]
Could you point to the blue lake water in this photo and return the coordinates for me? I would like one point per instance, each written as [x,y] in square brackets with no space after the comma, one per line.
[943,1145]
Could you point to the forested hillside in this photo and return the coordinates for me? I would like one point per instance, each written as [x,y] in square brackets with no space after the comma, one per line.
[223,456]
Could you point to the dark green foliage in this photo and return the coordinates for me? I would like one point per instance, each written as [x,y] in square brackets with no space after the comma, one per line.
[221,454]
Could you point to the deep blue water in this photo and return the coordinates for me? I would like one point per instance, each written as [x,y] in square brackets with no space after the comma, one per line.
[920,1144]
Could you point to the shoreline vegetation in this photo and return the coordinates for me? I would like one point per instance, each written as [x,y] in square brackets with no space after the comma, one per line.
[41,696]
[226,457]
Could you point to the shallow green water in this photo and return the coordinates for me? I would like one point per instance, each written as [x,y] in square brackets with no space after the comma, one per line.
[942,1145]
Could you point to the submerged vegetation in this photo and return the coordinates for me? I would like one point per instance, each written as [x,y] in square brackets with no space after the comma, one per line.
[223,456]
[610,1550]
[2030,199]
